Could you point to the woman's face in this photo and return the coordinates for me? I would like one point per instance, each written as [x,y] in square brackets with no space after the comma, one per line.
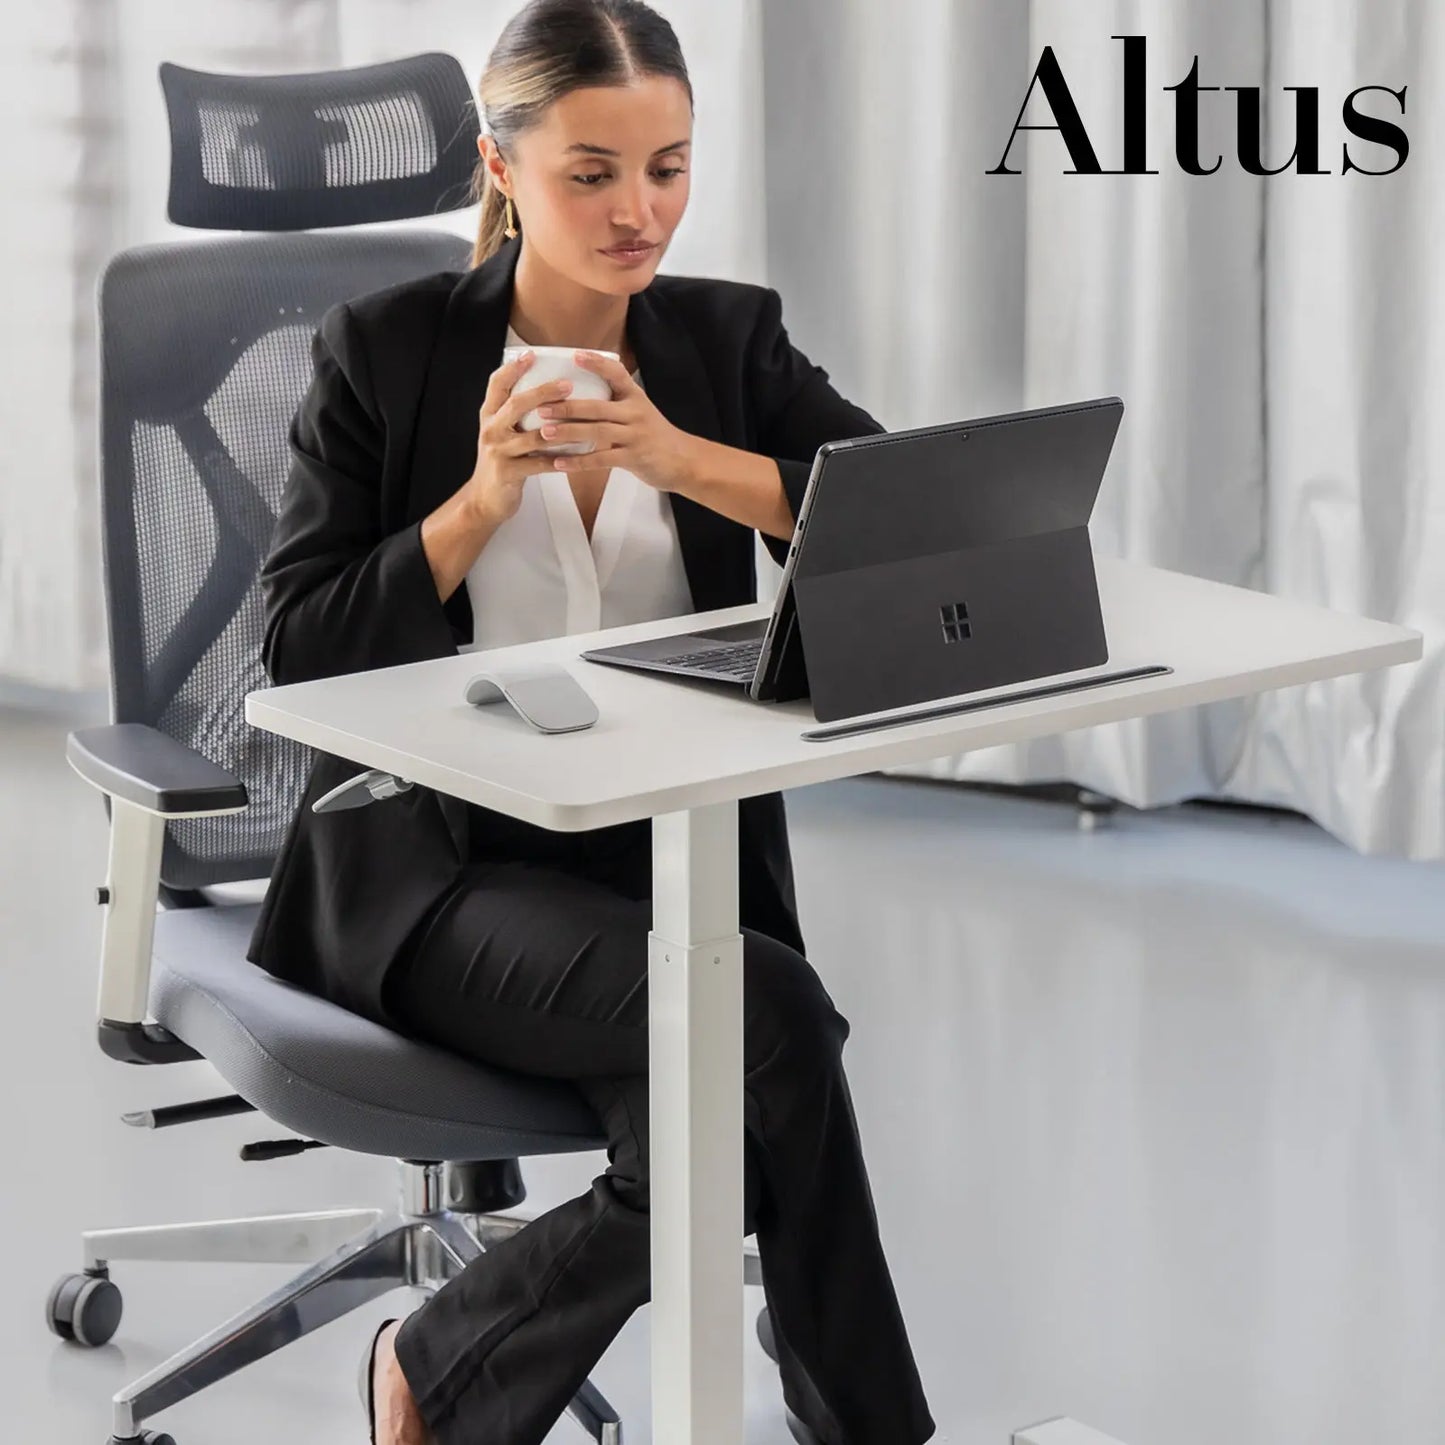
[604,168]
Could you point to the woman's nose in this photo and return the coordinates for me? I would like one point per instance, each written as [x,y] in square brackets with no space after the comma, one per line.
[634,213]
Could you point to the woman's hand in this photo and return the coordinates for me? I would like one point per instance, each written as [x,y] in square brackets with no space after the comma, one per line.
[506,455]
[629,431]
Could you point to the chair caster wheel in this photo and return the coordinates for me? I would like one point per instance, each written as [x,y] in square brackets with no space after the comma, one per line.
[146,1437]
[84,1308]
[765,1334]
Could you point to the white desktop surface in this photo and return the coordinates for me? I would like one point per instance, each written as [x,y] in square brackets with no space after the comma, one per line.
[661,744]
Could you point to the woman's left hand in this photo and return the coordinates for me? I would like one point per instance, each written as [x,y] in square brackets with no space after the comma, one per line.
[628,431]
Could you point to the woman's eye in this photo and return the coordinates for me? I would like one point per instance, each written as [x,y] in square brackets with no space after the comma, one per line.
[664,175]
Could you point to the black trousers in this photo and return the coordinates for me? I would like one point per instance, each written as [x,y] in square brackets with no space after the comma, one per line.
[541,969]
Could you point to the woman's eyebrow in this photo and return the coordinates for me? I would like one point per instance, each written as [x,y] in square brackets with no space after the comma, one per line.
[592,150]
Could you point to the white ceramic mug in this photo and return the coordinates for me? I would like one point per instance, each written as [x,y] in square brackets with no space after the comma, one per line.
[556,363]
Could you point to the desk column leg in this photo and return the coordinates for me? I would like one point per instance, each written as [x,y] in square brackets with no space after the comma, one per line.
[695,999]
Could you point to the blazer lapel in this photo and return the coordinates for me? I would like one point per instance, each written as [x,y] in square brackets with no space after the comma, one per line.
[468,349]
[444,441]
[678,385]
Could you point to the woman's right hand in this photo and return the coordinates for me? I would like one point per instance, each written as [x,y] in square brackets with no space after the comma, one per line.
[507,456]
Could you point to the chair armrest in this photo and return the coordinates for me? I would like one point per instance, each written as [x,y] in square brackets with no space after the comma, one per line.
[150,779]
[138,764]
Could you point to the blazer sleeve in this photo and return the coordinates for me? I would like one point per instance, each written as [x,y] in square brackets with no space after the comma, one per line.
[796,407]
[340,592]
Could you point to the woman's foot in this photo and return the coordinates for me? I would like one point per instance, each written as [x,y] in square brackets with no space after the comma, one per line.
[398,1421]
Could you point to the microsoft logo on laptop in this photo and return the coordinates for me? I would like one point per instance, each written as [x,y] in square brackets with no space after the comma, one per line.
[955,622]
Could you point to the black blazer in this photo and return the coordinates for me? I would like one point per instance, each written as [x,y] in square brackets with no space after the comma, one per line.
[386,432]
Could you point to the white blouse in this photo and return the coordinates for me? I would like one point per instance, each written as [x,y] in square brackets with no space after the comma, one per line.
[539,576]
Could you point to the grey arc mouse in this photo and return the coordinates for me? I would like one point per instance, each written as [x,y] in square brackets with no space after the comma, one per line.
[545,695]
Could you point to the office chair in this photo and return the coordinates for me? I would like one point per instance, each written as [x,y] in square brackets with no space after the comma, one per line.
[205,355]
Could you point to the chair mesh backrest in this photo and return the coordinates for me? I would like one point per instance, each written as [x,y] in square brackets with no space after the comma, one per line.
[316,149]
[205,353]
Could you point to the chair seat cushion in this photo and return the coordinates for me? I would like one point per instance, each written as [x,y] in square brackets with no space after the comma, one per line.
[332,1075]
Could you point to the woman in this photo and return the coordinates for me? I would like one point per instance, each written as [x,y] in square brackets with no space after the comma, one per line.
[418,519]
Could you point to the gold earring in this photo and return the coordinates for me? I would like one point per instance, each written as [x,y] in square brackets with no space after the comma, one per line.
[511,227]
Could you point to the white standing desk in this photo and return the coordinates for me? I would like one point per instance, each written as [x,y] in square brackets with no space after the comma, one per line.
[682,753]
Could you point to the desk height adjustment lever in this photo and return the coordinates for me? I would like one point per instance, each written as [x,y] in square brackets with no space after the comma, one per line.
[372,786]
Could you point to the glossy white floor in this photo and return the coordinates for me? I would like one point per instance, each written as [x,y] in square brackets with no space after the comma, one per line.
[1155,1118]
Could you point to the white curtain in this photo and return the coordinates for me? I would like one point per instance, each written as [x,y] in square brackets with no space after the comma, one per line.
[1356,458]
[1272,339]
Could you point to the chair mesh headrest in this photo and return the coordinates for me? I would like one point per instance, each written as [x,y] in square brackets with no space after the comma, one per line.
[315,149]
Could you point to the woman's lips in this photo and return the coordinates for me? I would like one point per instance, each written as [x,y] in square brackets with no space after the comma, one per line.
[629,253]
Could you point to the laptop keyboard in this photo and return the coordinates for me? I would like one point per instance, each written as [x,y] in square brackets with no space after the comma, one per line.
[738,659]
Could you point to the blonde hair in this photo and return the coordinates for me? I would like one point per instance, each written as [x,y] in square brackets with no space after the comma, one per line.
[548,49]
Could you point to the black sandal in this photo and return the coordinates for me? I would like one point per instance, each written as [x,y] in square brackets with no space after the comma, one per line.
[365,1379]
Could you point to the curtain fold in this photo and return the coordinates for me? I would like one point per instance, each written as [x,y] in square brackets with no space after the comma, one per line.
[1356,371]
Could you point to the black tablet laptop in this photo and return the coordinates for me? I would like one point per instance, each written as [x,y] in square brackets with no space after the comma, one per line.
[924,564]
